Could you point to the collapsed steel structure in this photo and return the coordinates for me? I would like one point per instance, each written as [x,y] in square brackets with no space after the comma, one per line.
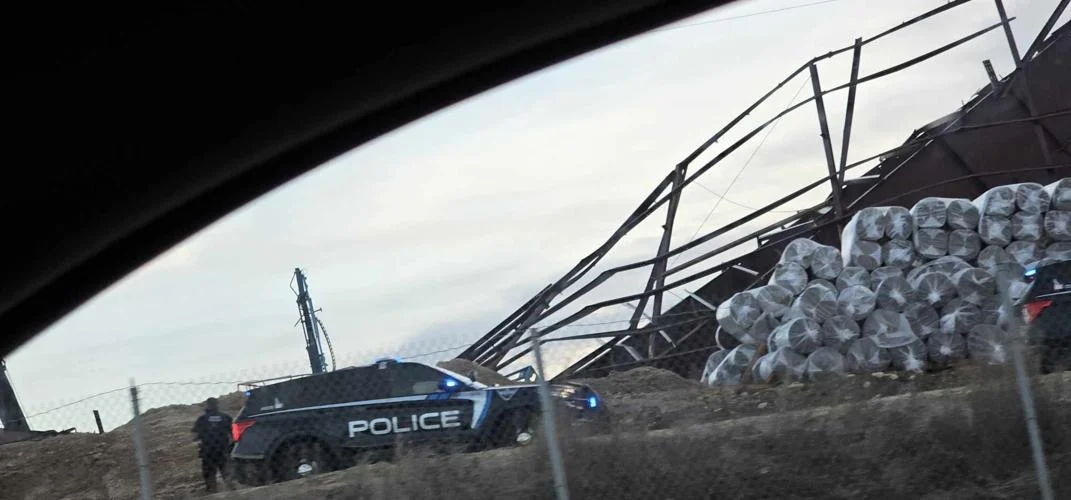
[1015,129]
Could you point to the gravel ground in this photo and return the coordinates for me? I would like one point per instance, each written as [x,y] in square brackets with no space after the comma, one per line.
[836,439]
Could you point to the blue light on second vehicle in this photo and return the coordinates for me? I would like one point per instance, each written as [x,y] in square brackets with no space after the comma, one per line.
[450,383]
[593,401]
[1030,272]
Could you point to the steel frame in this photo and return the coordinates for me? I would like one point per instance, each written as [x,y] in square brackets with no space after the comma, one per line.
[510,335]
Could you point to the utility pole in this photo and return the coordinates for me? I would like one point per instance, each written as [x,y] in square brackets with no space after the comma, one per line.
[10,411]
[309,324]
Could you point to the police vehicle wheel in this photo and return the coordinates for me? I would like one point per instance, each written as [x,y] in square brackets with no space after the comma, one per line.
[301,459]
[513,430]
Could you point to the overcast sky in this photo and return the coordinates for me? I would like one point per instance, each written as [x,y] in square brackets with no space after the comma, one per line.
[423,239]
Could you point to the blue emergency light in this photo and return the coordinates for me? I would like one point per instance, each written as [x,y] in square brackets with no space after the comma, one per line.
[593,401]
[450,383]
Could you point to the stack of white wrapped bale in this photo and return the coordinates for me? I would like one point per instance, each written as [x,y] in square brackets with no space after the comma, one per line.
[908,289]
[790,316]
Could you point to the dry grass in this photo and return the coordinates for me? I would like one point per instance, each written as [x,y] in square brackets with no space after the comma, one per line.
[956,443]
[973,445]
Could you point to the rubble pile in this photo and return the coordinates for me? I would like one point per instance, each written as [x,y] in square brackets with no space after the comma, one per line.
[909,289]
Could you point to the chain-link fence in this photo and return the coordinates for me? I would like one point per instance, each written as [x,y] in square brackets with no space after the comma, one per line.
[983,410]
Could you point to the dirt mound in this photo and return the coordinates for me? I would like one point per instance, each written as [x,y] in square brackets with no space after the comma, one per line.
[67,466]
[92,466]
[483,374]
[640,380]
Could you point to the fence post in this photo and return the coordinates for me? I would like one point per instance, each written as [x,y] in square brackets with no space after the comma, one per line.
[100,426]
[550,431]
[1026,396]
[139,446]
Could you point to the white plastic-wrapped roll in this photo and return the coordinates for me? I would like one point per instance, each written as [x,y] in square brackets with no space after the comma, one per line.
[879,274]
[1025,252]
[987,344]
[856,302]
[961,214]
[959,316]
[900,223]
[1058,225]
[802,335]
[828,285]
[997,201]
[790,276]
[1028,227]
[774,299]
[996,310]
[899,253]
[910,357]
[713,361]
[923,319]
[736,315]
[991,311]
[865,356]
[943,349]
[1031,197]
[826,262]
[1060,194]
[930,212]
[838,331]
[731,369]
[759,331]
[868,224]
[824,363]
[964,243]
[931,243]
[934,289]
[948,265]
[894,293]
[817,302]
[862,253]
[993,255]
[801,251]
[1060,251]
[782,365]
[1016,291]
[995,230]
[853,276]
[1044,262]
[974,285]
[1005,275]
[888,329]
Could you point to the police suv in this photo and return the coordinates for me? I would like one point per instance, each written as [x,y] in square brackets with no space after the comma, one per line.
[324,422]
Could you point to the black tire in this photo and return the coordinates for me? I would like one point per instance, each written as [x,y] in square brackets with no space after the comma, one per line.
[514,428]
[299,459]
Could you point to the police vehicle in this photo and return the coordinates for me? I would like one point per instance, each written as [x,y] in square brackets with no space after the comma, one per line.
[1046,308]
[328,421]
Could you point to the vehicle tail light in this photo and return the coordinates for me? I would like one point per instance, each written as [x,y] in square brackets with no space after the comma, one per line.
[238,428]
[1032,309]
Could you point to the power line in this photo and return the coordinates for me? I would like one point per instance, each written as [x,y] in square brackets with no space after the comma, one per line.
[742,16]
[741,205]
[105,393]
[448,349]
[741,171]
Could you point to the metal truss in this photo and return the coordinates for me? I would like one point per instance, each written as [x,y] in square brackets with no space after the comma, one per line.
[689,327]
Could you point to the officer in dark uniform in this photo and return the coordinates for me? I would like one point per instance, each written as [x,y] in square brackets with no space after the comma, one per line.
[213,431]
